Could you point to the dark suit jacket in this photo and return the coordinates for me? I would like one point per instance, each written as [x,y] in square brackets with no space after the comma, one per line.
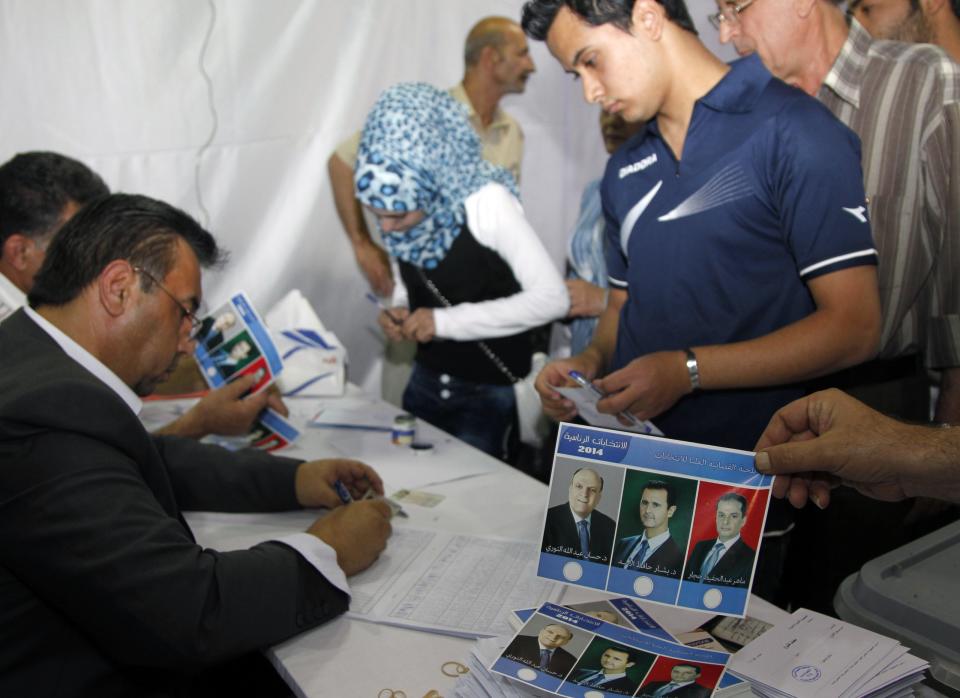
[103,590]
[624,684]
[694,690]
[736,564]
[526,650]
[667,557]
[561,532]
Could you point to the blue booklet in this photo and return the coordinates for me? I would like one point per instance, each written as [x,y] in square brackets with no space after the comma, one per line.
[233,341]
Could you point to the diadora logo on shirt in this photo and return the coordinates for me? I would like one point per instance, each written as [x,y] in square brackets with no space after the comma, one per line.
[857,212]
[638,166]
[729,184]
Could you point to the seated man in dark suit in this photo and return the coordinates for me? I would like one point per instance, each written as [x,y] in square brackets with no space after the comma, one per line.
[103,590]
[545,651]
[654,550]
[575,528]
[39,193]
[611,676]
[726,559]
[682,684]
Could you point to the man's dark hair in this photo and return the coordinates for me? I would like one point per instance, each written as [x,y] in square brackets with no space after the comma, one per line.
[141,230]
[661,485]
[36,187]
[734,497]
[538,15]
[622,650]
[955,4]
[692,666]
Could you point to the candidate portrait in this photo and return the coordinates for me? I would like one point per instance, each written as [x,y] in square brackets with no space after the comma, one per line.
[610,673]
[683,683]
[544,651]
[724,559]
[654,550]
[575,528]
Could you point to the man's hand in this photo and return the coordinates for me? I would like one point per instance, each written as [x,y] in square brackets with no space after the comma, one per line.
[392,329]
[419,325]
[586,299]
[225,411]
[826,439]
[647,386]
[357,532]
[375,265]
[315,478]
[557,374]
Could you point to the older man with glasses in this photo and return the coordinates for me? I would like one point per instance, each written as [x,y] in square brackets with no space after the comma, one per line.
[903,101]
[103,590]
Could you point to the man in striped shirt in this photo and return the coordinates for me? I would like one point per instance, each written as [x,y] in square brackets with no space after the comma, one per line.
[903,100]
[916,21]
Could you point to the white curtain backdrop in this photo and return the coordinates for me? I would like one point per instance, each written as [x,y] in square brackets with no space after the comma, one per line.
[229,109]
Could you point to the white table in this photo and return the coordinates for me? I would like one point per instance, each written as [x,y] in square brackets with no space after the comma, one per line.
[348,657]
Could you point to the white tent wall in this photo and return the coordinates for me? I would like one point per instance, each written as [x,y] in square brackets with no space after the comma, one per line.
[122,85]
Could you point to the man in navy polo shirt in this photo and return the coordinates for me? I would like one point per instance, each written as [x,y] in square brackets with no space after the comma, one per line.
[739,253]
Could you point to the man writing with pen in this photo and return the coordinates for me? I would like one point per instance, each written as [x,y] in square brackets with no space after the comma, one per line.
[103,589]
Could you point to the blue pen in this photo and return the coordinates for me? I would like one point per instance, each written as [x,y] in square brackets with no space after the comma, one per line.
[584,383]
[344,494]
[379,303]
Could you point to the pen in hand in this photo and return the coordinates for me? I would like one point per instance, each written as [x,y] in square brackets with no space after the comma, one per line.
[379,303]
[346,498]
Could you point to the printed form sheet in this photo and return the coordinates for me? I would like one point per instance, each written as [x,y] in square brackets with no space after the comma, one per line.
[451,583]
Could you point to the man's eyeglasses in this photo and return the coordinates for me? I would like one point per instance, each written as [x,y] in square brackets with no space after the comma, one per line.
[196,325]
[729,14]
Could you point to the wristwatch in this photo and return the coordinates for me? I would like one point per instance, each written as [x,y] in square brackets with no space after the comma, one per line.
[693,369]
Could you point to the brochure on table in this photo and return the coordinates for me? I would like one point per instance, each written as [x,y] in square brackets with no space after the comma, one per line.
[704,509]
[591,658]
[619,611]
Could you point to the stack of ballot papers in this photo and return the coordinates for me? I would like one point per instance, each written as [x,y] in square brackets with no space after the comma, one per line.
[812,655]
[480,682]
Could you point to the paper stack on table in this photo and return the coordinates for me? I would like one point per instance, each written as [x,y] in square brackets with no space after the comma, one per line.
[816,656]
[480,682]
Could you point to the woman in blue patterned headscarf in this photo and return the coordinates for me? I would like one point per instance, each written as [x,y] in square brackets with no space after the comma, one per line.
[474,278]
[418,152]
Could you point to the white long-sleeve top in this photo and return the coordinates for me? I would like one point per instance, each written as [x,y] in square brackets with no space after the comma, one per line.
[496,220]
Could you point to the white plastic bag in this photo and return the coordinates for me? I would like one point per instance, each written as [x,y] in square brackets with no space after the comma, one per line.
[314,360]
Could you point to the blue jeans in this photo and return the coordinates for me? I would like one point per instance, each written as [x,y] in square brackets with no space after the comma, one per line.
[478,413]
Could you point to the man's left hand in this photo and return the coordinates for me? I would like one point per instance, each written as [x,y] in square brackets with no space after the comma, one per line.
[225,411]
[314,481]
[647,386]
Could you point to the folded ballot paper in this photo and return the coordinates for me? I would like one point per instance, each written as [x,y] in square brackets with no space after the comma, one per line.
[233,342]
[812,655]
[665,521]
[314,360]
[564,652]
[629,614]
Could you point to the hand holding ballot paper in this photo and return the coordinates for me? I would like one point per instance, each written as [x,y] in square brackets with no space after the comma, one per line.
[234,348]
[659,520]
